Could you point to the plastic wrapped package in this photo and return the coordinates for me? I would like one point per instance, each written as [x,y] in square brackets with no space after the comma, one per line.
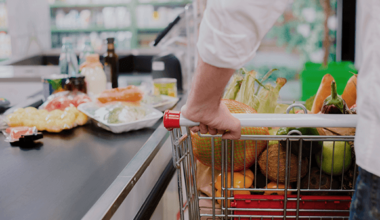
[53,121]
[62,100]
[14,134]
[126,94]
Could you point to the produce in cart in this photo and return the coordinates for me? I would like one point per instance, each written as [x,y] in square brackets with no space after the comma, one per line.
[238,182]
[336,157]
[318,180]
[202,145]
[263,99]
[272,164]
[273,185]
[323,92]
[349,93]
[334,104]
[315,146]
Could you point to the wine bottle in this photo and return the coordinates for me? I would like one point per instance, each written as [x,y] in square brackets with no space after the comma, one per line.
[111,64]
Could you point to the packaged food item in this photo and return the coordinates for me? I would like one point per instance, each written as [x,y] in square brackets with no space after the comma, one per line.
[14,134]
[126,94]
[92,69]
[120,117]
[165,86]
[53,121]
[63,100]
[60,102]
[53,84]
[119,113]
[76,84]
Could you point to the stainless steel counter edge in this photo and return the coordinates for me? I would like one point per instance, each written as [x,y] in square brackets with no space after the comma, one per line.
[109,202]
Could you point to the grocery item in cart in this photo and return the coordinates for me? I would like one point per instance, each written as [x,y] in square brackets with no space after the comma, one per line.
[334,104]
[202,145]
[298,179]
[323,92]
[317,180]
[273,185]
[120,117]
[336,157]
[272,164]
[263,99]
[315,146]
[349,93]
[127,94]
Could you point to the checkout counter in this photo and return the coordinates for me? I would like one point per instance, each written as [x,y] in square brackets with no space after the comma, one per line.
[86,172]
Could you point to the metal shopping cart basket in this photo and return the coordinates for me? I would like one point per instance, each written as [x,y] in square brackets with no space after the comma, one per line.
[300,185]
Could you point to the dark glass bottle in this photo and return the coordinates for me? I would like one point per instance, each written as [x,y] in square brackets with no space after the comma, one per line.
[111,63]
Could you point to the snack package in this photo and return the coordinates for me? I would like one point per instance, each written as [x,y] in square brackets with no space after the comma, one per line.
[126,94]
[53,121]
[14,134]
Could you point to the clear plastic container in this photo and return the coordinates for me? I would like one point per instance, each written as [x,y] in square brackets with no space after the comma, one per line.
[68,62]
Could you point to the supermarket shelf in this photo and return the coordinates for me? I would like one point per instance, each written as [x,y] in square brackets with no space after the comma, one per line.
[56,30]
[150,29]
[3,29]
[173,3]
[62,5]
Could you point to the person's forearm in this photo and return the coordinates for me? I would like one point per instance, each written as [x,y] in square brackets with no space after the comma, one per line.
[207,90]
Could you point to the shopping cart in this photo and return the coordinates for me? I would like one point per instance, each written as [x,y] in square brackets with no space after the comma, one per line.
[314,195]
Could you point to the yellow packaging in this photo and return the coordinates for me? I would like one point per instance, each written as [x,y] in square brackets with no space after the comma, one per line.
[165,86]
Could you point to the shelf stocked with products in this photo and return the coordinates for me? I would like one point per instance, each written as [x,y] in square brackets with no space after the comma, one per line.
[161,3]
[5,39]
[90,29]
[65,5]
[137,17]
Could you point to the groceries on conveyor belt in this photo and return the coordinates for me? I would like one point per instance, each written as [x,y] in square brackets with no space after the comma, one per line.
[329,162]
[58,113]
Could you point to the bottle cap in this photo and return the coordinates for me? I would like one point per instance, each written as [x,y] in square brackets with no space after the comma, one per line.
[110,40]
[92,58]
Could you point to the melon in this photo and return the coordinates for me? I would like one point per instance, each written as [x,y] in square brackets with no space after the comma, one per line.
[202,145]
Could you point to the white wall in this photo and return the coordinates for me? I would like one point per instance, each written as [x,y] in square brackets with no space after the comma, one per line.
[28,26]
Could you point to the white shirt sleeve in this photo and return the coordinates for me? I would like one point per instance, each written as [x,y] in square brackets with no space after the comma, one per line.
[231,30]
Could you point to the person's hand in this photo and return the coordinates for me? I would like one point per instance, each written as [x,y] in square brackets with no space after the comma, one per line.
[218,121]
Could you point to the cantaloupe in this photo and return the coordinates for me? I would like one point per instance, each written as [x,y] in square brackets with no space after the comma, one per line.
[202,145]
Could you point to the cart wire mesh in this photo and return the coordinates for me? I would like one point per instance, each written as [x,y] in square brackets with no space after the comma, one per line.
[300,186]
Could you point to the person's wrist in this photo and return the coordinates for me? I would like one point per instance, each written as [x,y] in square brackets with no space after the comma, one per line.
[201,114]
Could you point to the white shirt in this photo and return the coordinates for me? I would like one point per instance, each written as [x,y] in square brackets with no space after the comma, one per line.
[231,32]
[367,144]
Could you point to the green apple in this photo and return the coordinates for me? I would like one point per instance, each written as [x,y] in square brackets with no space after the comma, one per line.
[340,157]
